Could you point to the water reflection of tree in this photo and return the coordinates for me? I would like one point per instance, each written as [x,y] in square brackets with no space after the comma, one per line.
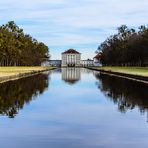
[126,93]
[13,95]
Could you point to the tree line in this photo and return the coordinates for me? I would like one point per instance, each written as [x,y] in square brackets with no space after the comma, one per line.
[20,49]
[15,94]
[126,48]
[127,98]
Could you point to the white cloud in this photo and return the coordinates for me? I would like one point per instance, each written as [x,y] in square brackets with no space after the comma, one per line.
[68,23]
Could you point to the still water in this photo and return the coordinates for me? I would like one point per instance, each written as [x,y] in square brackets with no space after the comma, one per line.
[73,108]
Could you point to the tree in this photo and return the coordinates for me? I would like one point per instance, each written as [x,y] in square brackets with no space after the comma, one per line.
[20,49]
[127,48]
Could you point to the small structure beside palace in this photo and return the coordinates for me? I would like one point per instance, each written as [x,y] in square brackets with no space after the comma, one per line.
[97,60]
[71,58]
[56,63]
[87,63]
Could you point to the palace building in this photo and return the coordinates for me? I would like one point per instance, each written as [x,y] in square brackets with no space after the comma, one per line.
[71,58]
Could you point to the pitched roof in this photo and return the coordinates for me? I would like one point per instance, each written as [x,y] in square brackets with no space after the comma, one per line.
[98,56]
[87,60]
[71,82]
[71,51]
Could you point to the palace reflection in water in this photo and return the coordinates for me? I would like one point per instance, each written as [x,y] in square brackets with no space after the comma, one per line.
[71,75]
[82,114]
[127,94]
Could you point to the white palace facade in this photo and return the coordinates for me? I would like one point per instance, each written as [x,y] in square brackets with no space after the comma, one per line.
[71,58]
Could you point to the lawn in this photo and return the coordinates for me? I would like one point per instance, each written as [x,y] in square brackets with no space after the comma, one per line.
[142,71]
[13,71]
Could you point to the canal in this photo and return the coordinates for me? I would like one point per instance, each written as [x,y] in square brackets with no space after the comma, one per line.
[73,108]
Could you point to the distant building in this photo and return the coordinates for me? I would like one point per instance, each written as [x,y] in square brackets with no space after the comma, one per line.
[97,60]
[71,58]
[56,63]
[87,63]
[45,63]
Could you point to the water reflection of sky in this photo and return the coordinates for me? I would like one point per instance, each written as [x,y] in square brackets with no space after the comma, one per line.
[73,116]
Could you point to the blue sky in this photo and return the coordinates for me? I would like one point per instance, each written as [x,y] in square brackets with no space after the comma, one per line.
[79,24]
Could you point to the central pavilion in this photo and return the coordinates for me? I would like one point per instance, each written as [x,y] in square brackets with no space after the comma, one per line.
[71,58]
